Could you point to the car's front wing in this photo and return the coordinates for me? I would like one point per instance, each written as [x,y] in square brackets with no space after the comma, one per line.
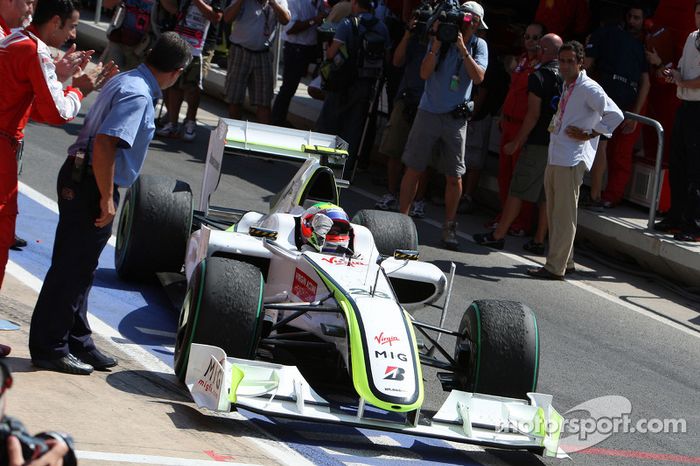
[219,383]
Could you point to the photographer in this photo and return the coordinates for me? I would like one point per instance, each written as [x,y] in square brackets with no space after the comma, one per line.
[409,56]
[352,67]
[56,449]
[449,69]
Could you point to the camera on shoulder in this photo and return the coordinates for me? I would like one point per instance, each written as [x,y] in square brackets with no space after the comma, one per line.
[447,12]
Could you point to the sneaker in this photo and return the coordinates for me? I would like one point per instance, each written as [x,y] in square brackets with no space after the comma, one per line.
[190,131]
[170,130]
[487,239]
[466,205]
[449,236]
[534,247]
[387,202]
[417,209]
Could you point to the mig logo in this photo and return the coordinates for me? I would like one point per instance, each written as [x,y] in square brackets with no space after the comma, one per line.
[393,373]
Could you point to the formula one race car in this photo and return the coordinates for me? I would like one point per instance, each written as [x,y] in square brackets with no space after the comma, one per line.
[301,313]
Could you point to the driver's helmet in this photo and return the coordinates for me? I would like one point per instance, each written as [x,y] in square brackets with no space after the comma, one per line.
[326,227]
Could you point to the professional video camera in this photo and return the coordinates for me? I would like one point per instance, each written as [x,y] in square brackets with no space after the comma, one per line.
[447,12]
[32,447]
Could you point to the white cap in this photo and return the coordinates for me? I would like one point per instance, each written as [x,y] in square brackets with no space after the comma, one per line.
[475,9]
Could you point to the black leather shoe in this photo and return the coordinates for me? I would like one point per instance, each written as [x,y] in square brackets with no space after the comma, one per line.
[689,236]
[68,364]
[668,226]
[97,359]
[18,244]
[487,239]
[570,270]
[544,274]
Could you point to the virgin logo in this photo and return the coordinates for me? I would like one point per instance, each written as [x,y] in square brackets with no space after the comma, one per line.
[382,340]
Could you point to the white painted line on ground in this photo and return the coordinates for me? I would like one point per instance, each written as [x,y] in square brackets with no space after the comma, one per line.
[270,445]
[151,459]
[584,286]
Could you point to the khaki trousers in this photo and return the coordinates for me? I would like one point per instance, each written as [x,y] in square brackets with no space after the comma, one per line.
[561,188]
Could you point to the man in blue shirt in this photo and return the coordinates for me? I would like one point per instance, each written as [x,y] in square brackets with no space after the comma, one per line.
[109,153]
[450,70]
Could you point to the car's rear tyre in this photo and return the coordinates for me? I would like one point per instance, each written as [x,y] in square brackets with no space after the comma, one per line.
[391,230]
[154,227]
[222,307]
[498,350]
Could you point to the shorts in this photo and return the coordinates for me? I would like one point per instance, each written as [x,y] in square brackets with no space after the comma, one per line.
[191,77]
[430,129]
[527,183]
[252,71]
[396,131]
[478,133]
[207,57]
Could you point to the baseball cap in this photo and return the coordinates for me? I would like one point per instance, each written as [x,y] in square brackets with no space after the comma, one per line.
[475,9]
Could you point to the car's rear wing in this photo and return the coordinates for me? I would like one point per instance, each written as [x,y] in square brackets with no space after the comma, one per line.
[268,142]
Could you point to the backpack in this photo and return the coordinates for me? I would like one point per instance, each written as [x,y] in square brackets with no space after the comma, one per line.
[131,22]
[363,59]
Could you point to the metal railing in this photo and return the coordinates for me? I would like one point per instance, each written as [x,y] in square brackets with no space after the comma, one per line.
[656,187]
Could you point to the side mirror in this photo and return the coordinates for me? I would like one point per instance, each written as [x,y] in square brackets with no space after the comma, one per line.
[406,255]
[258,232]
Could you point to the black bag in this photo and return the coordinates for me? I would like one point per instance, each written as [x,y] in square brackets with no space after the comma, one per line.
[363,59]
[130,25]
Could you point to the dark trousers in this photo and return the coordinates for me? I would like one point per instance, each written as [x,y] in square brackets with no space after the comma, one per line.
[684,164]
[344,114]
[296,62]
[59,322]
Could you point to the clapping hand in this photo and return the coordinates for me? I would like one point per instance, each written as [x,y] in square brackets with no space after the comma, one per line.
[72,62]
[95,78]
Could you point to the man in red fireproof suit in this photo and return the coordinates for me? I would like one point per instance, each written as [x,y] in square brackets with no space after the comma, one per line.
[32,89]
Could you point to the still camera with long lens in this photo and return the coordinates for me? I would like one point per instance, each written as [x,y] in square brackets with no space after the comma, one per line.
[32,446]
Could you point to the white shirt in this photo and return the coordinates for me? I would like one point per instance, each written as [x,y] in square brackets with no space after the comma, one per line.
[302,10]
[589,108]
[689,66]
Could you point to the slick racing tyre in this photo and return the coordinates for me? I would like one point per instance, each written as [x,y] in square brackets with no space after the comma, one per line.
[498,350]
[391,230]
[154,227]
[222,307]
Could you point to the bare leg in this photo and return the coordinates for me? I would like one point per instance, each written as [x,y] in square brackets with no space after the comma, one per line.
[541,232]
[264,114]
[600,165]
[453,192]
[511,209]
[409,186]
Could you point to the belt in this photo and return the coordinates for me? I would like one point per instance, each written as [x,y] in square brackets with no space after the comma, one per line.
[11,137]
[511,119]
[252,51]
[633,84]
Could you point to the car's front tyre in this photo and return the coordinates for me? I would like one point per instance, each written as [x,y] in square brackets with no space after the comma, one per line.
[223,307]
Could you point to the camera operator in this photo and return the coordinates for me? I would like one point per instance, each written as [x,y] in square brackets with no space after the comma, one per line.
[449,69]
[57,449]
[351,89]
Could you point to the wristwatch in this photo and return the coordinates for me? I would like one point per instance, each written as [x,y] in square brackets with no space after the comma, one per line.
[311,22]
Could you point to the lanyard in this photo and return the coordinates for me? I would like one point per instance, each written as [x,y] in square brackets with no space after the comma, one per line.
[565,100]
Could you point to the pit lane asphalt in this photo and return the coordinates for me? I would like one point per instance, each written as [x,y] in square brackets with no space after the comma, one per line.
[591,346]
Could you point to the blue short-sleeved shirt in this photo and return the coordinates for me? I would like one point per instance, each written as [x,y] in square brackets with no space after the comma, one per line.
[344,31]
[124,109]
[437,96]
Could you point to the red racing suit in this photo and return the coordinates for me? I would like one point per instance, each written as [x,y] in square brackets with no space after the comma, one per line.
[30,89]
[4,29]
[512,115]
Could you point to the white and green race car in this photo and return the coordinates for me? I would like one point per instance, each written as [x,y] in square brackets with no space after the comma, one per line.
[272,327]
